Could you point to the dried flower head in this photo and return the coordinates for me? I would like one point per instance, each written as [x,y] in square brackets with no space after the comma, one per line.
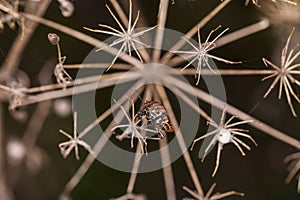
[223,134]
[209,195]
[66,147]
[201,54]
[135,129]
[128,38]
[284,73]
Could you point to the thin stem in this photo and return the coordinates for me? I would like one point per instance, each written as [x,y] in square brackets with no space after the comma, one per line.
[161,22]
[227,72]
[180,139]
[108,111]
[136,163]
[194,30]
[234,111]
[124,20]
[36,123]
[134,171]
[189,101]
[167,170]
[120,12]
[49,87]
[8,9]
[243,32]
[14,56]
[76,82]
[82,37]
[226,194]
[77,89]
[5,192]
[191,192]
[120,66]
[103,139]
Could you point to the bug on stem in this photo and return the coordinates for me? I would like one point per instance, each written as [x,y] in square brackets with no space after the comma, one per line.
[156,115]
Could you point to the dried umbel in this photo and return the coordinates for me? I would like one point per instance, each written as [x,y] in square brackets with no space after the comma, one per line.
[209,195]
[225,133]
[285,73]
[74,142]
[135,129]
[130,38]
[200,53]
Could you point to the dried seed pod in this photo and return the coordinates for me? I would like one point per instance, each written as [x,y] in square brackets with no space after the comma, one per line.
[53,38]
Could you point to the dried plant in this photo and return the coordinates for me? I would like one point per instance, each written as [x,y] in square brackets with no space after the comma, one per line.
[17,93]
[74,142]
[284,73]
[200,53]
[223,134]
[62,76]
[129,38]
[9,13]
[148,63]
[209,195]
[135,128]
[294,167]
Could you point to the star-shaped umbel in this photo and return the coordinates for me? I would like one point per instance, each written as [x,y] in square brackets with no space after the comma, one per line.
[128,37]
[200,53]
[223,134]
[209,195]
[284,73]
[134,130]
[66,147]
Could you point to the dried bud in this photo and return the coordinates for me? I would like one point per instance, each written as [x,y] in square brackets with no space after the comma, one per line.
[66,8]
[53,38]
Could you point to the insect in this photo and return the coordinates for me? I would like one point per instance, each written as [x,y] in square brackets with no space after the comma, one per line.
[156,115]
